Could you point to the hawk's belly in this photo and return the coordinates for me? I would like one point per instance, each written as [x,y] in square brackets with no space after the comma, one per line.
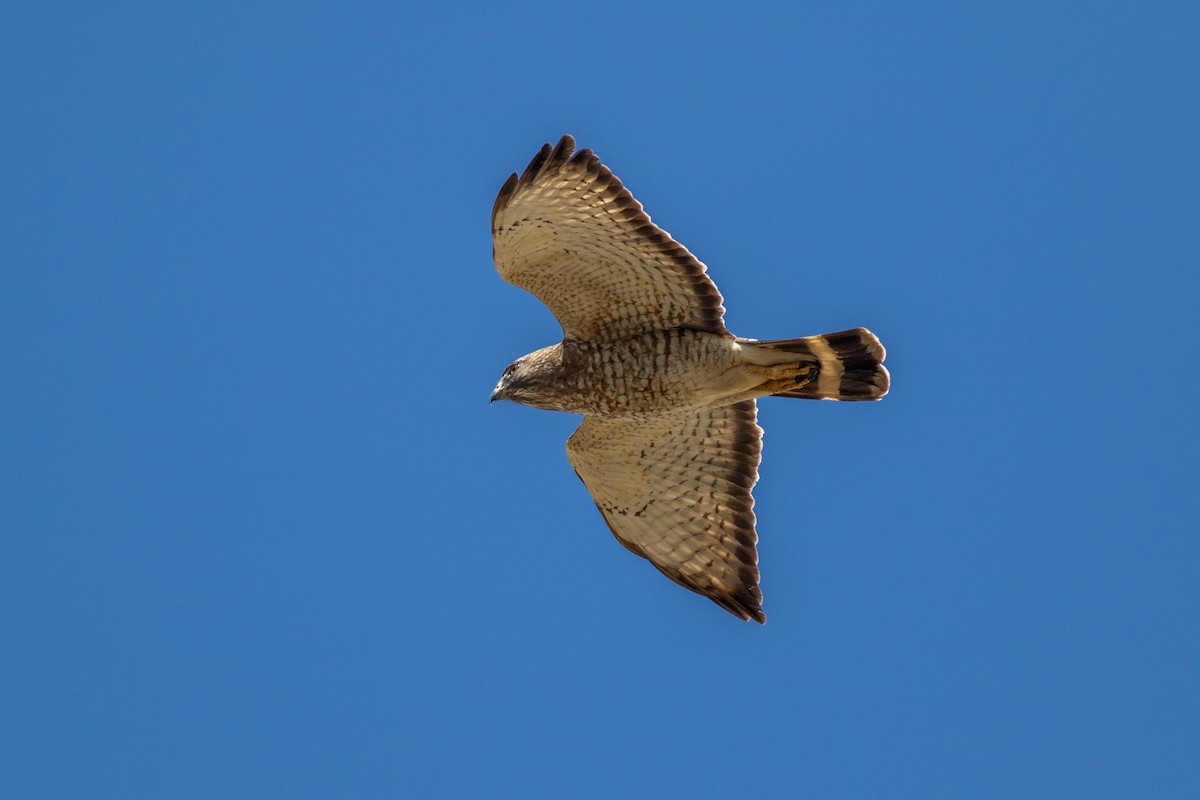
[654,375]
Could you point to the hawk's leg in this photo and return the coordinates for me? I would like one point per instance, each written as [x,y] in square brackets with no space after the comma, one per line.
[790,377]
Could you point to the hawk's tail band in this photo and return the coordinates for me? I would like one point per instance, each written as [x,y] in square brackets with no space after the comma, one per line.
[847,365]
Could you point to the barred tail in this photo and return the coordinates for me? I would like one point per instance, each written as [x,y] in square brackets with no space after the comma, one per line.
[848,365]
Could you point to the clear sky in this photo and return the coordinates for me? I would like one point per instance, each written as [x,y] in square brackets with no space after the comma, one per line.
[261,534]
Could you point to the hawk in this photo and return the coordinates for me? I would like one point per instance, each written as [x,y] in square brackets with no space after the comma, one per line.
[669,445]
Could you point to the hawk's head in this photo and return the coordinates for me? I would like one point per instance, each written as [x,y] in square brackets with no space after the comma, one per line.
[533,380]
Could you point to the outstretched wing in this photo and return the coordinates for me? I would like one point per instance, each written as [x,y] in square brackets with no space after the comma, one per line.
[676,491]
[569,233]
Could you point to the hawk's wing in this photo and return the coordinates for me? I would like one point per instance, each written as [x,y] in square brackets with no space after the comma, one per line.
[568,232]
[676,490]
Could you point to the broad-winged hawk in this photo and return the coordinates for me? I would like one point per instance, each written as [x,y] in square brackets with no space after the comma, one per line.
[669,445]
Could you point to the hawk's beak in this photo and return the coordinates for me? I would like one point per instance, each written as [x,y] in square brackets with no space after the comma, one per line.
[496,395]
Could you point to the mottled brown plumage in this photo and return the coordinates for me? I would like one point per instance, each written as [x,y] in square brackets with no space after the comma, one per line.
[669,446]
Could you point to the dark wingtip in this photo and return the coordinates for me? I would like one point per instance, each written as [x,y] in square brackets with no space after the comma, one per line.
[505,194]
[746,605]
[562,151]
[536,163]
[548,157]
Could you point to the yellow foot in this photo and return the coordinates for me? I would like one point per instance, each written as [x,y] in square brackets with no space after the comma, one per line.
[793,377]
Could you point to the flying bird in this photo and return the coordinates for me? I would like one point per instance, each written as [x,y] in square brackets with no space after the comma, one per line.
[669,446]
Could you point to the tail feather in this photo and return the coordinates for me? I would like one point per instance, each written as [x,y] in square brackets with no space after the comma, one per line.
[848,365]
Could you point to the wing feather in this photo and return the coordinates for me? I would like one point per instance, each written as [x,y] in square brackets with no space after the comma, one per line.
[676,491]
[567,231]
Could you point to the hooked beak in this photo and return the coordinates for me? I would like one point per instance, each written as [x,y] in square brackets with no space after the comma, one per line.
[497,394]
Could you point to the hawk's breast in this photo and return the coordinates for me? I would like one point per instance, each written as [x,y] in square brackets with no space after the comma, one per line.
[657,373]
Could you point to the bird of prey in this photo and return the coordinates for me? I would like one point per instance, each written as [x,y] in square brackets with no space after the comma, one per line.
[669,445]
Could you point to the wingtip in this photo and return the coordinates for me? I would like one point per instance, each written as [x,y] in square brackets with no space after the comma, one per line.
[748,611]
[744,602]
[564,148]
[505,194]
[536,163]
[547,159]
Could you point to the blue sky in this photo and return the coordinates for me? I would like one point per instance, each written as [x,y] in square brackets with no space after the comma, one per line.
[261,534]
